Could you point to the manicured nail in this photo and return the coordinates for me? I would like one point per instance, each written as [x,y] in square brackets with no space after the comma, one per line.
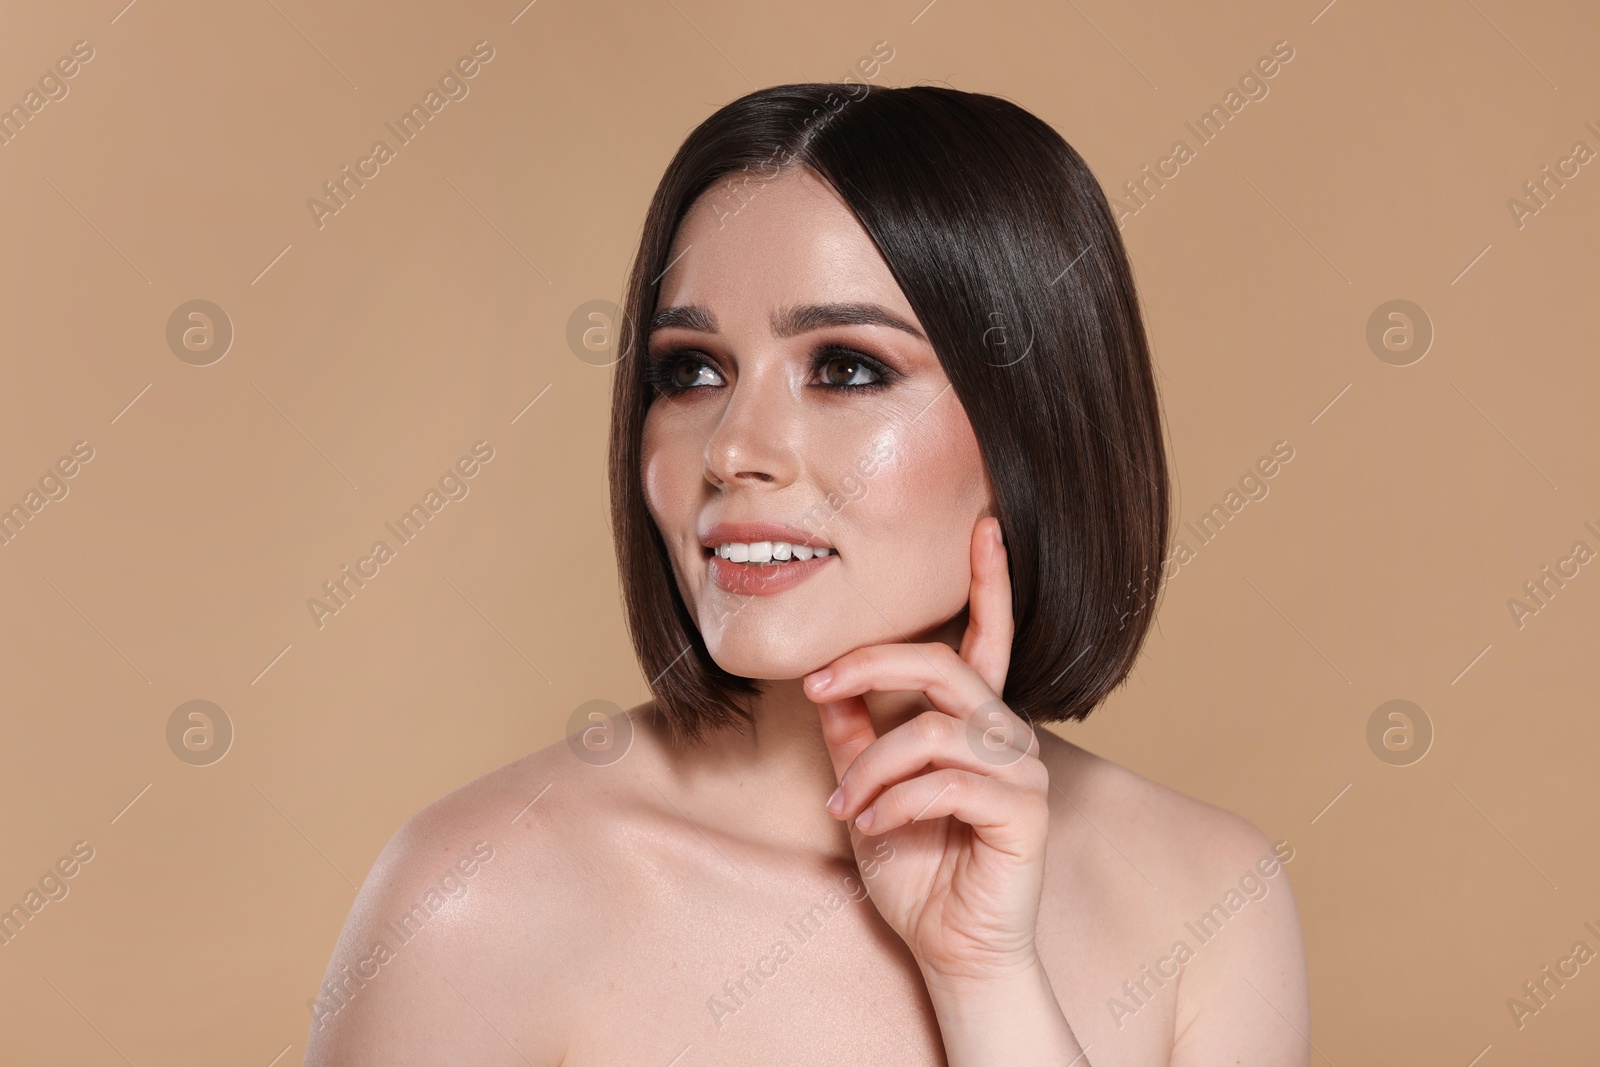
[864,820]
[836,802]
[818,680]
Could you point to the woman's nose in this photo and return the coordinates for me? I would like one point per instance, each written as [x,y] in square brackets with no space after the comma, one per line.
[754,440]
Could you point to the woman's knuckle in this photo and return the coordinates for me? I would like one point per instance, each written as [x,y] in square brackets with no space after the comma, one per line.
[931,728]
[958,783]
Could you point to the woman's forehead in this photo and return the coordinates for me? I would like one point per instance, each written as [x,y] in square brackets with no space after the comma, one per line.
[792,243]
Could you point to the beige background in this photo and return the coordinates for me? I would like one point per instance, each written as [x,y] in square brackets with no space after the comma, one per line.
[371,353]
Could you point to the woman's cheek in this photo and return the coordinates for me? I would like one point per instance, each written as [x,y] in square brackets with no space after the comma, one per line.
[931,475]
[917,552]
[670,498]
[664,473]
[928,499]
[934,592]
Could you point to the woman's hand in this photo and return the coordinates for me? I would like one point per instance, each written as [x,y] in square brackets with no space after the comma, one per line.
[960,786]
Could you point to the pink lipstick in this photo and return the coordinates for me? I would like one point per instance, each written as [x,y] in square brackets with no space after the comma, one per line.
[762,558]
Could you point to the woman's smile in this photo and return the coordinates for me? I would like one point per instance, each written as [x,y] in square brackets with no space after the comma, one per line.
[762,558]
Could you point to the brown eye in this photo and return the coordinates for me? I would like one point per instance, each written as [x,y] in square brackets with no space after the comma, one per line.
[680,373]
[686,372]
[846,371]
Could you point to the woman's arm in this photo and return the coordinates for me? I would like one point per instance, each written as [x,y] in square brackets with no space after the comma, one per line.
[1015,1022]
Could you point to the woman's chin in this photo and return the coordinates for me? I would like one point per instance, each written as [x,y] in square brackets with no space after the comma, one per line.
[776,655]
[767,664]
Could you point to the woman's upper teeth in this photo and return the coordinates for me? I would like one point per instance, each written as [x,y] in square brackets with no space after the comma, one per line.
[767,551]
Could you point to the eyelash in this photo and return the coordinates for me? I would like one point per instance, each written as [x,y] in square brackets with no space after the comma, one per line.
[659,369]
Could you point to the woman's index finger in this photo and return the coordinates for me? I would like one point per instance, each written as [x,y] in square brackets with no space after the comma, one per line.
[986,646]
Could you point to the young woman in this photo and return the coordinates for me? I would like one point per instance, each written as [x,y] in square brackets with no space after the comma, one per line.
[888,488]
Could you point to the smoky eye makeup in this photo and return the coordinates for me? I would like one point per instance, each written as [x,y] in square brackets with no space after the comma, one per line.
[678,369]
[860,371]
[835,367]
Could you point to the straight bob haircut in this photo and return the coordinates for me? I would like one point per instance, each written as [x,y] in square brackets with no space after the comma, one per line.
[1006,249]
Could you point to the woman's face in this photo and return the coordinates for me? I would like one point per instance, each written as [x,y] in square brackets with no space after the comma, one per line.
[782,418]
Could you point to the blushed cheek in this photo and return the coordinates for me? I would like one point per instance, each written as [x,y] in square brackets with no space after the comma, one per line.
[669,464]
[655,477]
[669,494]
[934,480]
[916,519]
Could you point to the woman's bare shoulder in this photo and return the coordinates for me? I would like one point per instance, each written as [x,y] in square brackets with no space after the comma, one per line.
[1211,891]
[1187,840]
[468,912]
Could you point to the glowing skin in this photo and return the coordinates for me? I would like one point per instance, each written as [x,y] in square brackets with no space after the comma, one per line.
[760,437]
[707,887]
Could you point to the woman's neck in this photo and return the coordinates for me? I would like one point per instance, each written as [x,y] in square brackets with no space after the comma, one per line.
[769,780]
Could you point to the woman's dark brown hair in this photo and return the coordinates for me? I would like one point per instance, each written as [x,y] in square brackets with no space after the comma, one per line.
[1006,249]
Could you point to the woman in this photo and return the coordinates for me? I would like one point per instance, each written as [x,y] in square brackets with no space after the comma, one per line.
[888,487]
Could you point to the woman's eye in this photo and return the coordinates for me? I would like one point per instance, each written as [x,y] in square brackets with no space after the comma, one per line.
[844,372]
[688,371]
[682,371]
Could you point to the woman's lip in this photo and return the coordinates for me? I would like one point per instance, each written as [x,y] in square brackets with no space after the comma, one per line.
[763,579]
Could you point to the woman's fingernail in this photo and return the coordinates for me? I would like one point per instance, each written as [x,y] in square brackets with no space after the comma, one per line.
[836,802]
[864,820]
[818,680]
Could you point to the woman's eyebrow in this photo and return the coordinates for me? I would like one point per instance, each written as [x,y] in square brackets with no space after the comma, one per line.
[806,317]
[687,316]
[791,321]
